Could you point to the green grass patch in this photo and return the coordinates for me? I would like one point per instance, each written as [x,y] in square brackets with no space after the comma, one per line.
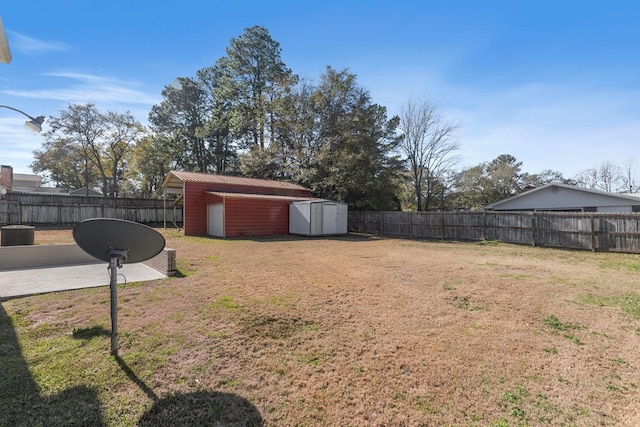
[523,408]
[500,423]
[422,404]
[313,358]
[226,303]
[285,301]
[515,395]
[554,323]
[184,268]
[488,243]
[629,303]
[563,328]
[619,263]
[205,240]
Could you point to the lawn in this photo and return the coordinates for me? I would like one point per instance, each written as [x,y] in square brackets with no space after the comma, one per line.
[351,331]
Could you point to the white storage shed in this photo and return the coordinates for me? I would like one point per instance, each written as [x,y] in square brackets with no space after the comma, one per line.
[318,218]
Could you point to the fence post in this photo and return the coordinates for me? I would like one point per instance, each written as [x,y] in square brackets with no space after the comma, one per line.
[593,232]
[382,223]
[534,229]
[357,223]
[484,225]
[411,225]
[442,224]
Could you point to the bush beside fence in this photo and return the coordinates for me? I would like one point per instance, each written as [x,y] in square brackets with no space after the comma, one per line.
[611,232]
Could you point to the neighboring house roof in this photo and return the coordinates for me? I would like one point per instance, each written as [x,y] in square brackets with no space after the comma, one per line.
[176,178]
[26,180]
[57,191]
[556,196]
[40,190]
[85,192]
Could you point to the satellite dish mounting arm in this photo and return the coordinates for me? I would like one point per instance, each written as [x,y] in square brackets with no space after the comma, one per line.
[119,254]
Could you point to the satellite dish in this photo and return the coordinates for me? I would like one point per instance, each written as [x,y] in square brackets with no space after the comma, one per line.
[99,237]
[117,241]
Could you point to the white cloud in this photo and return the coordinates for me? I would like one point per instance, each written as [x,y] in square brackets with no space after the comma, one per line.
[90,89]
[108,94]
[30,46]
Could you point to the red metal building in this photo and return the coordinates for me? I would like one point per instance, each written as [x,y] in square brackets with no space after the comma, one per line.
[228,206]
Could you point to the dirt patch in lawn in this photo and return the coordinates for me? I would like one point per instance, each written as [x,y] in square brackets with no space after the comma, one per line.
[361,331]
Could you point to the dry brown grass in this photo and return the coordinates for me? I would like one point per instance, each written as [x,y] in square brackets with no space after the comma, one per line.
[360,331]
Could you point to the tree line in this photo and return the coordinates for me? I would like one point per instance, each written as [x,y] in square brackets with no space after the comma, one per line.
[248,114]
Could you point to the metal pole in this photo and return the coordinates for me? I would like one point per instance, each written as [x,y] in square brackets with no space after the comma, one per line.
[113,267]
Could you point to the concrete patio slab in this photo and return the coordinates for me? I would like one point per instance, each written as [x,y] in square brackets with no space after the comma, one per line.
[21,282]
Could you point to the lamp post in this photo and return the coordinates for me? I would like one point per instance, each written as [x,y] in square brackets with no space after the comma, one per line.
[34,123]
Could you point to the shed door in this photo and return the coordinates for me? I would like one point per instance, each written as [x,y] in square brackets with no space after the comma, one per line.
[215,220]
[330,217]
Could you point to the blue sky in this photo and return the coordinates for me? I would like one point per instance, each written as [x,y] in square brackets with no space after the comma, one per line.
[554,83]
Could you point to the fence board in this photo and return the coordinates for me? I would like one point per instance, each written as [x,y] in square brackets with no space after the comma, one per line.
[12,213]
[572,230]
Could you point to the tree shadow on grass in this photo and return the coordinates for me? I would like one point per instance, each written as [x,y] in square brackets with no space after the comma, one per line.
[88,333]
[21,401]
[199,408]
[22,404]
[202,408]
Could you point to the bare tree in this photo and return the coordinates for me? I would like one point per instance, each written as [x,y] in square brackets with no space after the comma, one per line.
[629,179]
[607,177]
[587,178]
[429,143]
[610,176]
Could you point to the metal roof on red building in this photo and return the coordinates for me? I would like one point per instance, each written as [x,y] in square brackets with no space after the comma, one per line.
[176,178]
[263,196]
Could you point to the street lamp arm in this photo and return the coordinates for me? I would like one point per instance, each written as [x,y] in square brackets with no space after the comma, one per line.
[19,111]
[34,123]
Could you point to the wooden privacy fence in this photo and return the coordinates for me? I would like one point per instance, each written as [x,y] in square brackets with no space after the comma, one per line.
[611,232]
[68,210]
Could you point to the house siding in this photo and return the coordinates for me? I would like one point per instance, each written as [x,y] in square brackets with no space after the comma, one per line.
[195,209]
[561,198]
